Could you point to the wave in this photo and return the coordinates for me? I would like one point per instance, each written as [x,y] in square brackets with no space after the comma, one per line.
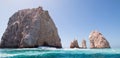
[45,52]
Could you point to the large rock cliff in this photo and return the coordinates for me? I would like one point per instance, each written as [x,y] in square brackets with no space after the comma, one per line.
[97,40]
[30,28]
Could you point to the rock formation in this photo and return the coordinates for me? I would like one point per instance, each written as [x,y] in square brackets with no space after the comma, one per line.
[74,44]
[30,28]
[83,44]
[97,40]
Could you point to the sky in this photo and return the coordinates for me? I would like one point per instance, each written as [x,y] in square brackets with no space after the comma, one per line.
[75,19]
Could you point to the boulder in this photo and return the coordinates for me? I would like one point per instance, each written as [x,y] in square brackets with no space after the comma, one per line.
[74,44]
[97,40]
[83,44]
[29,28]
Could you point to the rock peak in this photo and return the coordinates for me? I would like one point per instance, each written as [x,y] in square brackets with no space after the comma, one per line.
[74,44]
[97,40]
[83,44]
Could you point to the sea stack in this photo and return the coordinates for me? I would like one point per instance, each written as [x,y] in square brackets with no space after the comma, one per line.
[97,40]
[83,44]
[29,28]
[74,44]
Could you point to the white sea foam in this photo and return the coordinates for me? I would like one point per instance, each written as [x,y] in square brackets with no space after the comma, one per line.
[49,48]
[6,55]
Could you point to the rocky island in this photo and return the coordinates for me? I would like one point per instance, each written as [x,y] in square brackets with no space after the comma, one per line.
[29,28]
[74,44]
[97,40]
[84,46]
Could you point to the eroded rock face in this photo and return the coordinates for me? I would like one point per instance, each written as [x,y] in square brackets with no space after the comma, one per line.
[30,28]
[74,44]
[97,40]
[83,44]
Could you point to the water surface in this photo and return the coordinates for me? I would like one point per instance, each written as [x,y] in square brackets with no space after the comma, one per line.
[59,53]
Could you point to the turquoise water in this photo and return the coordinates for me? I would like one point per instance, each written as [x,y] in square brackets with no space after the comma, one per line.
[59,53]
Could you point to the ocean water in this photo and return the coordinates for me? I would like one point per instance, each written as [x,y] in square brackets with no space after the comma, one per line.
[59,53]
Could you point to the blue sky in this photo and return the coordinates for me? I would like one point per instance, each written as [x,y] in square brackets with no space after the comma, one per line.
[73,18]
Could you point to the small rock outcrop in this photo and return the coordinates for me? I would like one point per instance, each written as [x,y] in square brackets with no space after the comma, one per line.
[30,28]
[97,40]
[83,44]
[74,44]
